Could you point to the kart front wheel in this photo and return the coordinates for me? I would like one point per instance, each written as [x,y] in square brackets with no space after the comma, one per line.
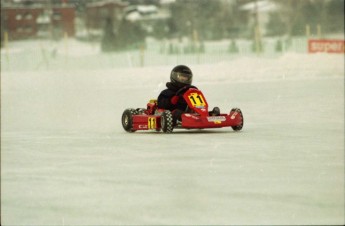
[240,125]
[127,119]
[167,124]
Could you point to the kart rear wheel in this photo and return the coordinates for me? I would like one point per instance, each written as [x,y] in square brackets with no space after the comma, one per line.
[127,119]
[167,124]
[240,126]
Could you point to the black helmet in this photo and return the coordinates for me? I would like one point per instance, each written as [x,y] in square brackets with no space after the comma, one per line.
[181,75]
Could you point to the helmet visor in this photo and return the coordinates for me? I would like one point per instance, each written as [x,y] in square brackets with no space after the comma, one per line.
[182,77]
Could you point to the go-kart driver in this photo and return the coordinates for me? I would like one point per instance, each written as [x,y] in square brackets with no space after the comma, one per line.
[180,77]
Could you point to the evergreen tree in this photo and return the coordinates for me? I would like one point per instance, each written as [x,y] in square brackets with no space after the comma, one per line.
[131,35]
[210,19]
[108,42]
[335,16]
[295,15]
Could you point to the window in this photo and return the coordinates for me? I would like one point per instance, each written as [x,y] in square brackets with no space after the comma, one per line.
[28,29]
[57,16]
[20,29]
[19,17]
[28,16]
[104,12]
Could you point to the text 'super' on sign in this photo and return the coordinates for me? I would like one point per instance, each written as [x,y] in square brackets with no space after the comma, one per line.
[326,46]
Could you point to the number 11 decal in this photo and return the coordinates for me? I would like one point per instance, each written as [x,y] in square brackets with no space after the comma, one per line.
[151,123]
[197,100]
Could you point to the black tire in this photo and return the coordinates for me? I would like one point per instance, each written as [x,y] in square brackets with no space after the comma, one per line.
[127,120]
[167,124]
[238,127]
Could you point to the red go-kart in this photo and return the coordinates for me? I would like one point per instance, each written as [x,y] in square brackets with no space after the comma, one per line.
[196,115]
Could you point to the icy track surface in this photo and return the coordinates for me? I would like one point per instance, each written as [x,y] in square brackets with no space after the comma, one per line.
[66,160]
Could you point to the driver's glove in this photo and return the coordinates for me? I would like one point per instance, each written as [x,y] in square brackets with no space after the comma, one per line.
[174,100]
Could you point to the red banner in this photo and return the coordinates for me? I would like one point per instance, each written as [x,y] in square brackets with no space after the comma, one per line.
[326,46]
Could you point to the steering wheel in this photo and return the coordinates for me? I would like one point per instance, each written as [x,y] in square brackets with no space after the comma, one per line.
[183,89]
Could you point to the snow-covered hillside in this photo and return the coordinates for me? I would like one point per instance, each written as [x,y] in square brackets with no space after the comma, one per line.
[66,160]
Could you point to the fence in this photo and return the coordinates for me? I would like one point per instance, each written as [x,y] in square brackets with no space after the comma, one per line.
[74,55]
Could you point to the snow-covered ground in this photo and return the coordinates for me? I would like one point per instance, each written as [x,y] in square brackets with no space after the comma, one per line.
[66,160]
